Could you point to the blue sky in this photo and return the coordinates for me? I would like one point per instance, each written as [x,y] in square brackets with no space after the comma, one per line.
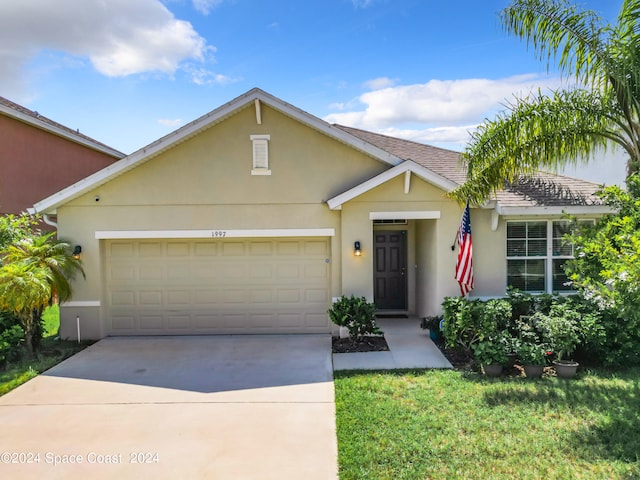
[127,72]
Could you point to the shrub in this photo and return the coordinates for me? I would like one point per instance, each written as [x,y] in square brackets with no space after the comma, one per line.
[356,314]
[467,322]
[11,338]
[490,351]
[533,353]
[606,270]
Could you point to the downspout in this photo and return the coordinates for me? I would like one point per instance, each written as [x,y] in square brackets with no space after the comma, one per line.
[46,219]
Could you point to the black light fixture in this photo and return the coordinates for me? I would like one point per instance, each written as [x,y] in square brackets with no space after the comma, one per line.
[77,250]
[357,251]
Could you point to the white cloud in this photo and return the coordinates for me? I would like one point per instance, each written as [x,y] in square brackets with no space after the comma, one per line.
[205,6]
[379,83]
[438,102]
[202,76]
[119,37]
[170,123]
[454,137]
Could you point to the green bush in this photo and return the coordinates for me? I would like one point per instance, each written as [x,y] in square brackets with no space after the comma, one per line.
[530,325]
[11,338]
[467,322]
[606,270]
[356,314]
[490,351]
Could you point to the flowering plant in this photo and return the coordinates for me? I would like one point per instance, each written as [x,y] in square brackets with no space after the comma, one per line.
[533,353]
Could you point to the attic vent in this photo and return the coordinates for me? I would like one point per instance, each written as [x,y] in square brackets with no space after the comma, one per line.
[390,222]
[260,154]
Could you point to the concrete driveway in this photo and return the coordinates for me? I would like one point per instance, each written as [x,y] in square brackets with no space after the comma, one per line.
[211,407]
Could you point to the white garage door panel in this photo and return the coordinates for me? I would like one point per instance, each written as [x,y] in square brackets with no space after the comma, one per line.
[178,287]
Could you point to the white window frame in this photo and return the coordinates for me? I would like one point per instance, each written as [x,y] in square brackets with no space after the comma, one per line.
[548,258]
[260,151]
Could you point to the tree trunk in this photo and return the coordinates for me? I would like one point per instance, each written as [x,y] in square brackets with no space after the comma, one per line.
[27,326]
[28,342]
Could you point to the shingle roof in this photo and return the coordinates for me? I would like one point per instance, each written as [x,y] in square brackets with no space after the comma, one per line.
[543,189]
[34,118]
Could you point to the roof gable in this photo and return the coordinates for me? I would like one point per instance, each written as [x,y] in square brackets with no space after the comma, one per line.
[252,98]
[407,167]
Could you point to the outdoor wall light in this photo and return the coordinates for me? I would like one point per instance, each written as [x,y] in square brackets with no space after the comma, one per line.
[77,250]
[357,251]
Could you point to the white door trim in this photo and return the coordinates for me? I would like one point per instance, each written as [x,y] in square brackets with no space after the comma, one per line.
[419,215]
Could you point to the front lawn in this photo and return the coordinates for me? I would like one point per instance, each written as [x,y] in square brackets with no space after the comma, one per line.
[452,424]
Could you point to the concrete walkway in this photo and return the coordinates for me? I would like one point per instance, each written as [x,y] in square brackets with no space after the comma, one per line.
[219,407]
[409,347]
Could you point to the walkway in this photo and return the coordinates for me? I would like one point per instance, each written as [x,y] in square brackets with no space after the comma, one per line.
[409,347]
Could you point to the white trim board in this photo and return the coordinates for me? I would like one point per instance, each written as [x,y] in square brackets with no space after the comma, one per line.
[81,303]
[423,215]
[215,233]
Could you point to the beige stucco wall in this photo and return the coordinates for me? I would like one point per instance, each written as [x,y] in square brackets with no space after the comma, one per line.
[205,183]
[430,259]
[489,255]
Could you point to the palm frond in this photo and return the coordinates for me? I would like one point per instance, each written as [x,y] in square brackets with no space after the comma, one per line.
[560,31]
[540,131]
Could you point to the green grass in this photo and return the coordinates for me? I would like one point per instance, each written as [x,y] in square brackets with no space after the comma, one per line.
[51,321]
[451,424]
[52,351]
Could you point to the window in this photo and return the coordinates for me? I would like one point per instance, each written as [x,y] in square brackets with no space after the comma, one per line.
[536,255]
[260,154]
[526,255]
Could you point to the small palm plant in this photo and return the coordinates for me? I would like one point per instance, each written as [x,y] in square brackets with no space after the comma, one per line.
[35,272]
[25,290]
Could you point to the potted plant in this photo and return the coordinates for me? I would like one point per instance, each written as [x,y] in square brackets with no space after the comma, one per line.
[533,357]
[561,329]
[434,325]
[491,355]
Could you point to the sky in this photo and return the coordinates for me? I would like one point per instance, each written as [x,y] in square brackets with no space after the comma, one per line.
[127,72]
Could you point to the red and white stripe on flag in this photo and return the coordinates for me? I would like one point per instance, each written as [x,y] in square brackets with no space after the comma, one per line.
[464,265]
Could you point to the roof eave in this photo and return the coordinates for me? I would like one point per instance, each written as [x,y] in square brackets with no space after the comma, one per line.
[35,122]
[554,210]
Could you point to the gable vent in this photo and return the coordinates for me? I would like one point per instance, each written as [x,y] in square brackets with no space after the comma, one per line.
[260,154]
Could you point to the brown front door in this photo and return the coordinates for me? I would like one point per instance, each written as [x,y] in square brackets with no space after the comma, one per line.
[390,270]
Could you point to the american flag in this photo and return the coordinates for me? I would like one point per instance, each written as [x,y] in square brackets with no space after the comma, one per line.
[464,265]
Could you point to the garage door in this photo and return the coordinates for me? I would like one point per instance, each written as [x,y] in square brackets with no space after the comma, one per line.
[186,287]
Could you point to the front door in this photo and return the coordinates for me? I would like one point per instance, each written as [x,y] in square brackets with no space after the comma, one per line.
[390,269]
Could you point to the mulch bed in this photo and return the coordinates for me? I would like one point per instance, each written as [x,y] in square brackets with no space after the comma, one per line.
[365,344]
[459,359]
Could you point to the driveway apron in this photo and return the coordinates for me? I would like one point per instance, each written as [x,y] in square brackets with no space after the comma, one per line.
[210,407]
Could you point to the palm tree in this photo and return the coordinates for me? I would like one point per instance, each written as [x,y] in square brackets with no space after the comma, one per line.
[54,255]
[547,131]
[36,271]
[25,290]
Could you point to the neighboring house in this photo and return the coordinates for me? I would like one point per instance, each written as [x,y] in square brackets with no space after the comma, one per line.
[246,221]
[39,157]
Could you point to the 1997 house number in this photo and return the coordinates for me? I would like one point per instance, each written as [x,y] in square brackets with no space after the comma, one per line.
[218,234]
